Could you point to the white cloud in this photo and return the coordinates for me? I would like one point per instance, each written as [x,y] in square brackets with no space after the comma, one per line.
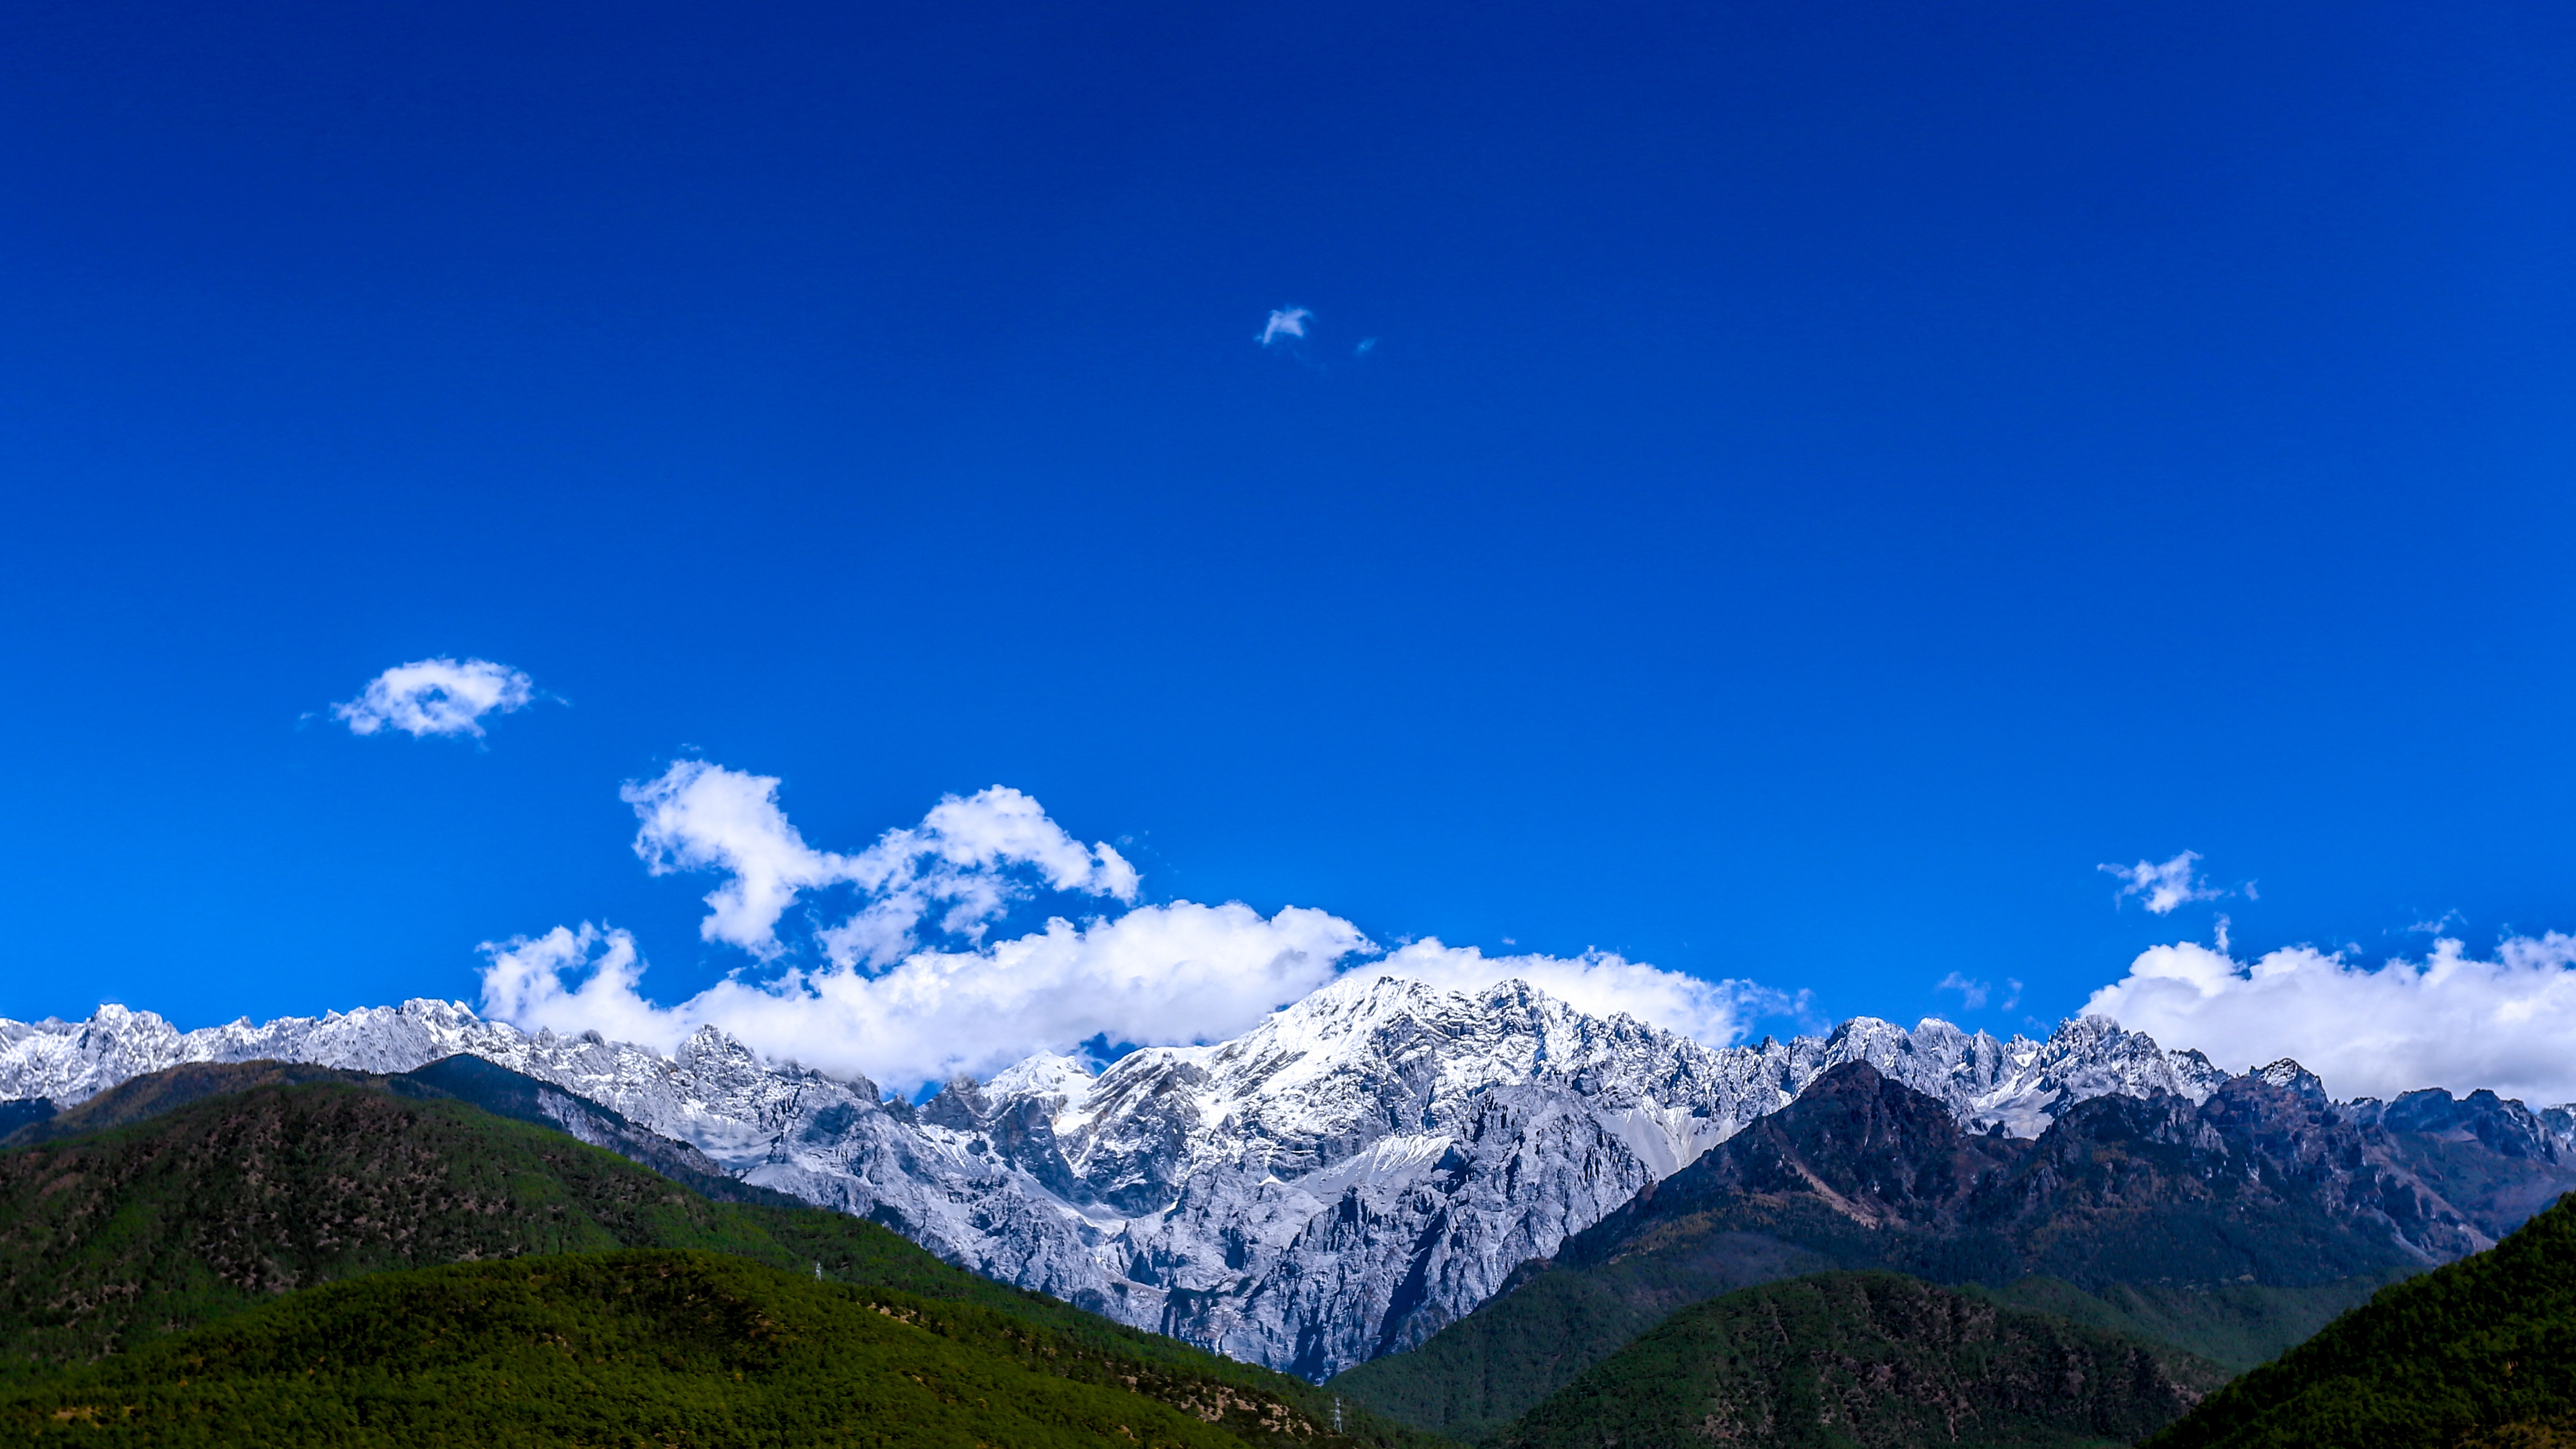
[960,855]
[882,1006]
[700,816]
[523,983]
[437,697]
[1715,1012]
[1156,975]
[2165,886]
[1972,994]
[2446,1021]
[1286,322]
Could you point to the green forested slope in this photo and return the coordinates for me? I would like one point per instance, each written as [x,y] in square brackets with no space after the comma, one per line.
[116,1239]
[2482,1351]
[630,1348]
[109,1239]
[1840,1359]
[1550,1323]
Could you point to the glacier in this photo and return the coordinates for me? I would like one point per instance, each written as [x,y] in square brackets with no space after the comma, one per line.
[1364,1167]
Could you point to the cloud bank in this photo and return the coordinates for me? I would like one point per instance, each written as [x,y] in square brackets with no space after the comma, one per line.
[437,697]
[882,1003]
[2446,1021]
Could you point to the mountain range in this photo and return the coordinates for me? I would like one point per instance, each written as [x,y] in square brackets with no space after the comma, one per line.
[1364,1169]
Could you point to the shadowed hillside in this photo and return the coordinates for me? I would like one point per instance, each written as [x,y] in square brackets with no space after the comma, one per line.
[629,1348]
[2480,1354]
[1867,1358]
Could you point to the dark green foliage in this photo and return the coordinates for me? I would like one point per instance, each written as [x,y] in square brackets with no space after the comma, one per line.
[2233,1325]
[615,1349]
[1549,1324]
[111,1241]
[155,1093]
[1846,1359]
[1474,1377]
[2480,1352]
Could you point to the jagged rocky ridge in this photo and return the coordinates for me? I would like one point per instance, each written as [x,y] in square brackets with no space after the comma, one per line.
[1339,1183]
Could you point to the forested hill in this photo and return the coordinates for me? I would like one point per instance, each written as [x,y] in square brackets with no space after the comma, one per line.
[2477,1355]
[1840,1359]
[114,1239]
[651,1347]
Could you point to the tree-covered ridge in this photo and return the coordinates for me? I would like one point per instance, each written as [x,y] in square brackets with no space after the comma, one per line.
[2480,1352]
[2233,1229]
[109,1239]
[112,1240]
[1840,1359]
[628,1348]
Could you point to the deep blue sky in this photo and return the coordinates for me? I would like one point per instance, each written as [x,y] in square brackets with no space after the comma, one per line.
[1828,476]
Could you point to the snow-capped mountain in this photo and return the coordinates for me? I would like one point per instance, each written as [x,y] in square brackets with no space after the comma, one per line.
[1364,1167]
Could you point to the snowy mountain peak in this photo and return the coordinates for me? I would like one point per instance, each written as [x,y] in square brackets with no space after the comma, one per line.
[2289,1074]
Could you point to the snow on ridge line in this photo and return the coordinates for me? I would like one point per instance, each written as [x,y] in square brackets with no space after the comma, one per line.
[72,1061]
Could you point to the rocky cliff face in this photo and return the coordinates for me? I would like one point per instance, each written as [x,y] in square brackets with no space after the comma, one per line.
[1363,1168]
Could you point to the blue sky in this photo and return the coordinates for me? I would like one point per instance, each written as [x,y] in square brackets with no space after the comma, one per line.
[1824,479]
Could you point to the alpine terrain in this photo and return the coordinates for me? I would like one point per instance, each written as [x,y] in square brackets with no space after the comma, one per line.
[1363,1169]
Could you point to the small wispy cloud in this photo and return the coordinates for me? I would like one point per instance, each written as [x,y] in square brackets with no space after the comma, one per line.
[1972,994]
[2165,885]
[1285,322]
[437,697]
[1367,346]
